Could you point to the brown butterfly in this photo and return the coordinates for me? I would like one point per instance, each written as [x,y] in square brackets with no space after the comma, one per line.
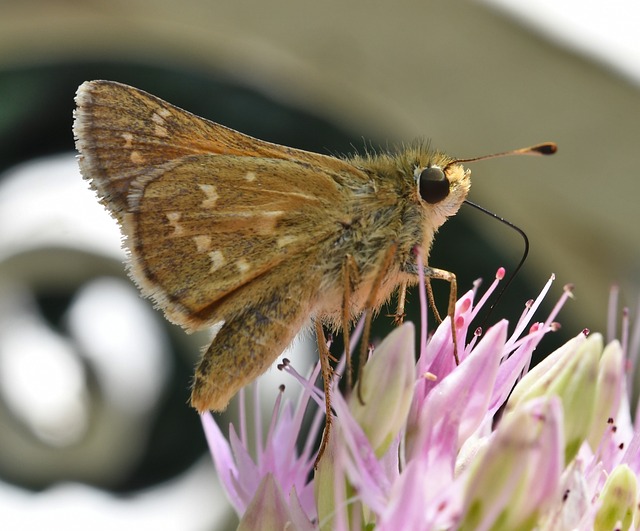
[267,239]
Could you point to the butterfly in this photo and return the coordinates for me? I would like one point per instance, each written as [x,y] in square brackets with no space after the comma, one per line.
[257,239]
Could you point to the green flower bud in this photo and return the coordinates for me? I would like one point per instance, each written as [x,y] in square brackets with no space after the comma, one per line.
[619,497]
[515,475]
[324,484]
[571,373]
[608,391]
[386,388]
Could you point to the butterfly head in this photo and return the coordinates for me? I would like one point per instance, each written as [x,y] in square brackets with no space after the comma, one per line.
[441,185]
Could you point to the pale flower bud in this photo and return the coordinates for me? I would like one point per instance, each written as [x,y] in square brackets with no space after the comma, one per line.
[515,476]
[619,497]
[386,388]
[570,373]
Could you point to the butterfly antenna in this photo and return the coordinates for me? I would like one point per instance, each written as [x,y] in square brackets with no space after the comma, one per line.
[546,148]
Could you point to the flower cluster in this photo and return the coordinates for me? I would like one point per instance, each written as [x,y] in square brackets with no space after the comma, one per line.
[486,444]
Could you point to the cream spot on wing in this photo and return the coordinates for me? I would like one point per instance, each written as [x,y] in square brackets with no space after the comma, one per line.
[242,265]
[266,221]
[160,129]
[136,158]
[203,243]
[217,260]
[165,113]
[128,140]
[286,240]
[250,176]
[269,214]
[212,196]
[174,221]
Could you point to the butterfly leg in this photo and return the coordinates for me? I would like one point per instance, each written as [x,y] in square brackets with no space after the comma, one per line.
[431,299]
[441,274]
[350,276]
[327,379]
[368,309]
[398,317]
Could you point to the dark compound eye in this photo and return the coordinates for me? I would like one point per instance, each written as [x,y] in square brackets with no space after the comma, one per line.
[434,185]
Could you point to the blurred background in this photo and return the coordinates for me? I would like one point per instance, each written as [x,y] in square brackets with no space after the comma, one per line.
[95,429]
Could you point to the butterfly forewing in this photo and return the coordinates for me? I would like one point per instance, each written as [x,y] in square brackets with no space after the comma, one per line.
[123,133]
[207,225]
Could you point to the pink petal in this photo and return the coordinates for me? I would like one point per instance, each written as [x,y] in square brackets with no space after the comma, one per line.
[458,403]
[224,463]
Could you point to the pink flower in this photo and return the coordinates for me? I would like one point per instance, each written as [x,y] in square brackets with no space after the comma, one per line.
[486,444]
[277,471]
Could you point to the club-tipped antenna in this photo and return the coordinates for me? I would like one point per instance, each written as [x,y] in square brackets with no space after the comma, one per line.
[546,148]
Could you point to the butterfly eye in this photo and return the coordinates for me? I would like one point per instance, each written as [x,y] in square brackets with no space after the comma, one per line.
[434,185]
